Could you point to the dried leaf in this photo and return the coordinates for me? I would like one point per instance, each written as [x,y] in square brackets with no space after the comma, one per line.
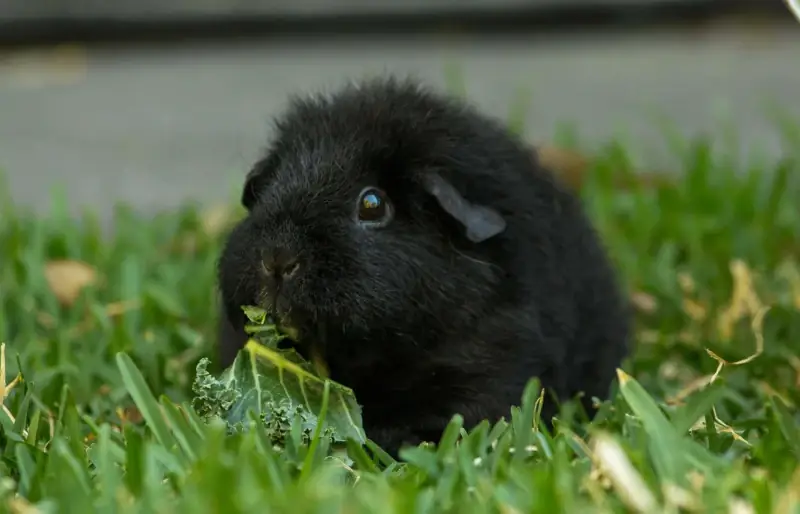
[571,167]
[130,414]
[568,164]
[644,302]
[67,279]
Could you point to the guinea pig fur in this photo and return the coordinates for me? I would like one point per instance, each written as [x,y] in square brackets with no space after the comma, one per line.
[430,259]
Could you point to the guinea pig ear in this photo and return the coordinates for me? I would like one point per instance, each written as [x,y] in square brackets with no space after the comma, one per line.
[481,222]
[256,180]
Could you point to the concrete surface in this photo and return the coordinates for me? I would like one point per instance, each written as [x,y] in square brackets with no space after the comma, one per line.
[156,126]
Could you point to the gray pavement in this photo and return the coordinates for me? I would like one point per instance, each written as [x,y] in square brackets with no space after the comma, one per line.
[157,126]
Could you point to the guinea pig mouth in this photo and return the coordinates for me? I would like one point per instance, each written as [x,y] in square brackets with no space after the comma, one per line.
[310,348]
[287,331]
[301,335]
[298,329]
[289,336]
[278,318]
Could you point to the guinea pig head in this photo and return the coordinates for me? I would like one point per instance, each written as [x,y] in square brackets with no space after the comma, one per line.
[354,231]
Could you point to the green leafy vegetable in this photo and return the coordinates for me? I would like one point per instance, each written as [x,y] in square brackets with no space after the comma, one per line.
[280,387]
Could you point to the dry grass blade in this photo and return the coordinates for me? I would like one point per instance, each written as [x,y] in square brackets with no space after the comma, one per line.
[614,464]
[721,427]
[6,388]
[744,299]
[690,388]
[758,331]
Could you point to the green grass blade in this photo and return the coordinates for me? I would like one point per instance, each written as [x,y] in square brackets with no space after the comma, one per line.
[144,400]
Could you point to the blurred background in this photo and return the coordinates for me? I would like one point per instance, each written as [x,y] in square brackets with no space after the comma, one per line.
[158,102]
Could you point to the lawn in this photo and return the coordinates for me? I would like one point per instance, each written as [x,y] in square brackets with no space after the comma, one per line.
[106,332]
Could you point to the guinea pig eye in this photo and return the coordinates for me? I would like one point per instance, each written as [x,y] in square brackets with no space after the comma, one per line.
[374,207]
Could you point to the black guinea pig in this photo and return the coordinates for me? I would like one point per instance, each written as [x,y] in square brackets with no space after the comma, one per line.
[427,255]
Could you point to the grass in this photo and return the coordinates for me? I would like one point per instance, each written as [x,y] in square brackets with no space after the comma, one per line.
[706,419]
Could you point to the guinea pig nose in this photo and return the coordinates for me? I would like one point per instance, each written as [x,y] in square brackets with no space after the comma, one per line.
[281,264]
[288,268]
